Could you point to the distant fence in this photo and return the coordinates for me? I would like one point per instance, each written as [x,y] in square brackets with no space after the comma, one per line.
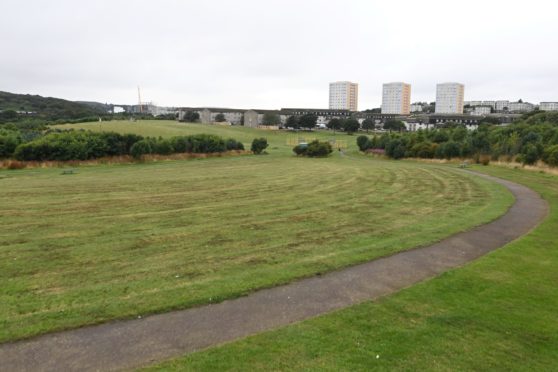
[338,144]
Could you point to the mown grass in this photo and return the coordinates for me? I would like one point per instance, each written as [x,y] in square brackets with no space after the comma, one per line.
[164,128]
[497,313]
[126,240]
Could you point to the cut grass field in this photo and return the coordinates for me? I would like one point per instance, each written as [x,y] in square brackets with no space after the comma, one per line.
[164,128]
[497,313]
[121,241]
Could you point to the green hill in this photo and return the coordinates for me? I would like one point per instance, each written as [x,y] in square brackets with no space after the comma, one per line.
[46,107]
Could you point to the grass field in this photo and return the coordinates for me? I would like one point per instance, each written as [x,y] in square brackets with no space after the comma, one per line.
[498,313]
[126,240]
[155,128]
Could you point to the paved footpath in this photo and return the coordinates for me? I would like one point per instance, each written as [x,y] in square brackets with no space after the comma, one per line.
[132,343]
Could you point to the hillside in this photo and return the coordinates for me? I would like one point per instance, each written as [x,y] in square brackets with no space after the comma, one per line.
[46,107]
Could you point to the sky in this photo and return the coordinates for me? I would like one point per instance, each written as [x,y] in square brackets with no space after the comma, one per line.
[270,54]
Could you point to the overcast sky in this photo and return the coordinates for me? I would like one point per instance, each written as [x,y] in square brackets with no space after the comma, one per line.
[278,53]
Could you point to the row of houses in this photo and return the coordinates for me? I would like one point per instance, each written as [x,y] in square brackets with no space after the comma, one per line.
[254,118]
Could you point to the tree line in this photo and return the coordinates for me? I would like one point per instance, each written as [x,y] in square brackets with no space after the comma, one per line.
[532,138]
[85,145]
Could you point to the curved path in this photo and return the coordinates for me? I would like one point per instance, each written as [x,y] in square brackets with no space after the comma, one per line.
[132,343]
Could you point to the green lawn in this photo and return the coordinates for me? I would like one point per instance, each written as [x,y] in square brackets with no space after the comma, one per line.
[119,241]
[155,128]
[497,313]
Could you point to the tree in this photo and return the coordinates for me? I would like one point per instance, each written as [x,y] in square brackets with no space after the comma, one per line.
[292,122]
[368,124]
[351,126]
[394,124]
[529,154]
[335,124]
[191,117]
[271,118]
[308,121]
[8,114]
[220,118]
[259,145]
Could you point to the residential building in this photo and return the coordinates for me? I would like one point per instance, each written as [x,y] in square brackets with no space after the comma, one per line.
[343,95]
[481,110]
[521,107]
[396,98]
[548,106]
[502,106]
[480,103]
[449,98]
[416,107]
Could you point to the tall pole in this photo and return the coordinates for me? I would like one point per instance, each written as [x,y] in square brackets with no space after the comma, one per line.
[139,101]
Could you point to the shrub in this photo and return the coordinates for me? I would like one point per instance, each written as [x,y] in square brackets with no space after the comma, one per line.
[314,149]
[207,143]
[363,143]
[259,145]
[395,149]
[318,149]
[451,150]
[550,156]
[232,144]
[163,147]
[8,144]
[529,154]
[141,148]
[423,150]
[300,149]
[181,144]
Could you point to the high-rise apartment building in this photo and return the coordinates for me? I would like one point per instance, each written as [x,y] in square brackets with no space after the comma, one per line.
[343,95]
[449,98]
[396,98]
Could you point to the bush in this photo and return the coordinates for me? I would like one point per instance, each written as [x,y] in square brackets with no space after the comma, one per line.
[451,150]
[8,144]
[141,148]
[363,143]
[163,147]
[395,149]
[207,143]
[232,144]
[300,149]
[314,149]
[423,150]
[318,149]
[182,144]
[529,154]
[259,145]
[550,156]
